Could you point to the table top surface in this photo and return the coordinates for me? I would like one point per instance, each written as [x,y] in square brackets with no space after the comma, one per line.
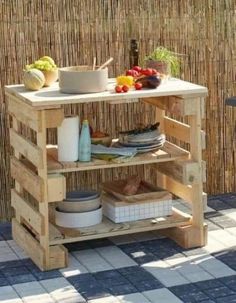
[51,96]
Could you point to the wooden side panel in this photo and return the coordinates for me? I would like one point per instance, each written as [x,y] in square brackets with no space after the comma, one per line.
[26,211]
[25,147]
[54,117]
[28,243]
[24,113]
[175,105]
[184,171]
[27,179]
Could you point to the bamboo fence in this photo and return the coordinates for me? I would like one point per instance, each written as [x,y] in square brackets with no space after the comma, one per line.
[74,31]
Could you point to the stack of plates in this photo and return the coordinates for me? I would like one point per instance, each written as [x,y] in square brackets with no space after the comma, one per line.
[144,142]
[79,209]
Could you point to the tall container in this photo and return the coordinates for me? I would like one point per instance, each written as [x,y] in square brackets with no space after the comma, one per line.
[68,139]
[133,53]
[85,143]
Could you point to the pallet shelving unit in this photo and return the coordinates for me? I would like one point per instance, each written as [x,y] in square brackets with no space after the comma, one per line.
[35,168]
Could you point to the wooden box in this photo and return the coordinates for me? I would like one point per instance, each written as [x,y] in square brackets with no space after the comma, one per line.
[158,204]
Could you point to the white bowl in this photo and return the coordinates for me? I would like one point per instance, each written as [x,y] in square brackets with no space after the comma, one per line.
[76,220]
[81,79]
[79,206]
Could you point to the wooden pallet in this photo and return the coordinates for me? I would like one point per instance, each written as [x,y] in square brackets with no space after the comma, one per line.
[39,176]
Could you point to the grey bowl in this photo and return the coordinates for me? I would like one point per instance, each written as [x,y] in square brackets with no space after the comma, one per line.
[79,206]
[81,80]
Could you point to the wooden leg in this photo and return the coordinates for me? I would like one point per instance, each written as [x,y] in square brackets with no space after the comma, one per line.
[187,236]
[197,189]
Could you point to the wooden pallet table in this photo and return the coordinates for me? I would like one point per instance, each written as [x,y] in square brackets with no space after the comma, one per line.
[39,175]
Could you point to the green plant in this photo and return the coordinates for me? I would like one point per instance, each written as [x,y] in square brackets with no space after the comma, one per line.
[162,54]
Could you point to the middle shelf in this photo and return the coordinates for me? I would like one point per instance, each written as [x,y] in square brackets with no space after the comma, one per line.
[169,152]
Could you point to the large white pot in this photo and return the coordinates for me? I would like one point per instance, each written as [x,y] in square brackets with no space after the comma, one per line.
[81,79]
[76,220]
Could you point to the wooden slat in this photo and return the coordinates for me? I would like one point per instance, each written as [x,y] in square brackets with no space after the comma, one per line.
[25,147]
[108,229]
[28,243]
[183,171]
[26,211]
[54,117]
[175,105]
[176,129]
[24,113]
[27,179]
[180,190]
[180,131]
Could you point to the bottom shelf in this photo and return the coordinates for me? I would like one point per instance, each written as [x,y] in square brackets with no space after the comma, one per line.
[107,228]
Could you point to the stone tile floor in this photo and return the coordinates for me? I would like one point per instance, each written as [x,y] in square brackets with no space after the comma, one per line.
[139,268]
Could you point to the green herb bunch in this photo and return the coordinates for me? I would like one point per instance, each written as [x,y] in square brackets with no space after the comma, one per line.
[162,54]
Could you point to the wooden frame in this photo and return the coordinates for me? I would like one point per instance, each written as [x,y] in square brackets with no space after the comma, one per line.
[178,171]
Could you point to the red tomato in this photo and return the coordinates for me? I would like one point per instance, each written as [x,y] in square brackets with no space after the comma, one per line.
[154,71]
[131,72]
[147,72]
[118,89]
[138,85]
[137,68]
[125,88]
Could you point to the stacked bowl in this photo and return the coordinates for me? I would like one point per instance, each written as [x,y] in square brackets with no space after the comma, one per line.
[79,209]
[144,142]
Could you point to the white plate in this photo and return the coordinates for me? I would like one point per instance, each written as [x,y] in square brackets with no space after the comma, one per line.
[76,220]
[148,150]
[145,138]
[150,147]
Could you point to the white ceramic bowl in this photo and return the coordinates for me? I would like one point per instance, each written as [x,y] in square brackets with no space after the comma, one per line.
[76,220]
[79,206]
[81,79]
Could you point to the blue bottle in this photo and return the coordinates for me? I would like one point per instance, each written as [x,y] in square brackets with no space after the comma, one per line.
[85,143]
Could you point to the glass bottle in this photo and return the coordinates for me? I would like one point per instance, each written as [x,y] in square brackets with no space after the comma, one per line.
[133,53]
[85,143]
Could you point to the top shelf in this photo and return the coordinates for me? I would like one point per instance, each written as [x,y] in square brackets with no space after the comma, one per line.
[51,97]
